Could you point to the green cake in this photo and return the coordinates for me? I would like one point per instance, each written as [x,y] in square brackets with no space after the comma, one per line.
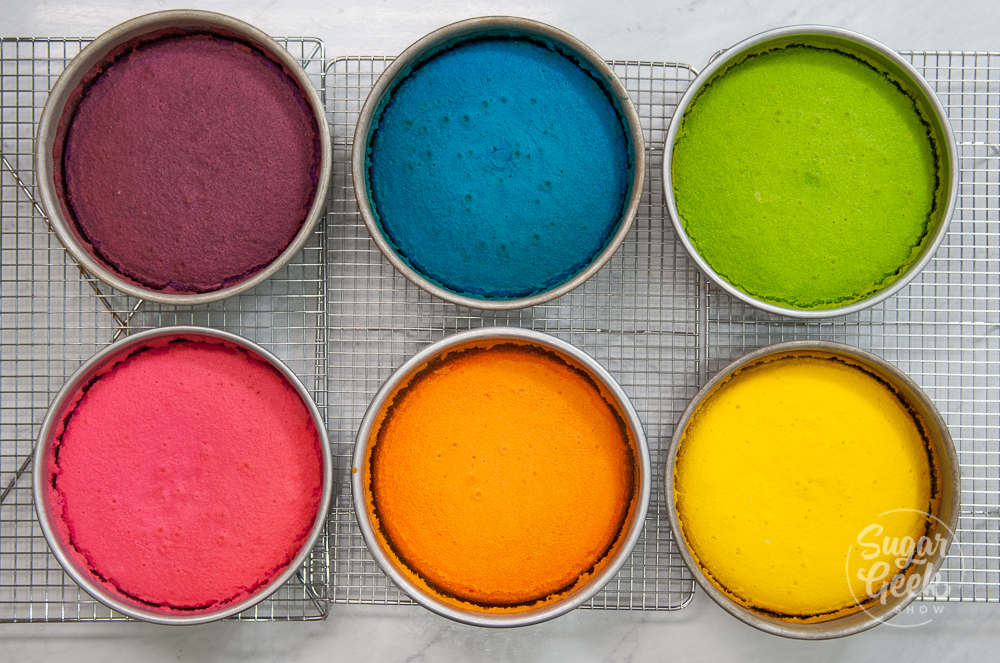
[805,177]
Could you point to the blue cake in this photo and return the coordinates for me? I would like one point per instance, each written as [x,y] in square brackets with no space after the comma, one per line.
[499,167]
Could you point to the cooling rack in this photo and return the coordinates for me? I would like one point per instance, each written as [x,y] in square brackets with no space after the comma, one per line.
[344,319]
[53,317]
[639,316]
[943,329]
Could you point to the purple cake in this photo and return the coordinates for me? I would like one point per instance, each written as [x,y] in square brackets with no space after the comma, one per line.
[189,162]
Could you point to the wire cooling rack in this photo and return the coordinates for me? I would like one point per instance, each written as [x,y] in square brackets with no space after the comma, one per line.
[662,329]
[344,319]
[639,316]
[943,329]
[53,317]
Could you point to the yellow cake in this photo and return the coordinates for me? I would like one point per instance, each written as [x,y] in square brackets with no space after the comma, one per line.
[781,475]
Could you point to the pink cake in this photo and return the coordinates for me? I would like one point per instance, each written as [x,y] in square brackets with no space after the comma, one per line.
[189,161]
[186,477]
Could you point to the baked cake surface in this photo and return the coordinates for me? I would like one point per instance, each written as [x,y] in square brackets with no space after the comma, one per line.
[189,163]
[499,478]
[499,168]
[187,477]
[805,177]
[781,472]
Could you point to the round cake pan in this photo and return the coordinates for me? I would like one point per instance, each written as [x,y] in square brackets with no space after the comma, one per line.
[945,520]
[66,398]
[487,337]
[181,20]
[884,59]
[459,31]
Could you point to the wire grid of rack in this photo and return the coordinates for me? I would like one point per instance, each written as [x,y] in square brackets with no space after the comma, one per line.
[53,317]
[648,316]
[639,316]
[943,329]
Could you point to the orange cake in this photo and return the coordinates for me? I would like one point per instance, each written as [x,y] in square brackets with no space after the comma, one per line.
[499,478]
[790,477]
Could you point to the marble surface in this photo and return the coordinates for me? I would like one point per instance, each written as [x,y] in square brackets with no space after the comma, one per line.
[686,31]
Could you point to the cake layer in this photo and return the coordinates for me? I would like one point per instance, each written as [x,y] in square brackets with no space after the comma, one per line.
[190,162]
[500,478]
[805,177]
[782,471]
[499,168]
[187,477]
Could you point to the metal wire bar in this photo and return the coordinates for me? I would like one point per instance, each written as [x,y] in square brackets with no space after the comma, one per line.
[943,329]
[639,316]
[343,319]
[53,316]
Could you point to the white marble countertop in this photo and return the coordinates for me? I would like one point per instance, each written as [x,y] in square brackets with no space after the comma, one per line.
[677,31]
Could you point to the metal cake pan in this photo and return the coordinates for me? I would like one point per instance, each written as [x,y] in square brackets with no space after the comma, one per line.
[881,57]
[611,389]
[467,29]
[945,520]
[183,20]
[56,412]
